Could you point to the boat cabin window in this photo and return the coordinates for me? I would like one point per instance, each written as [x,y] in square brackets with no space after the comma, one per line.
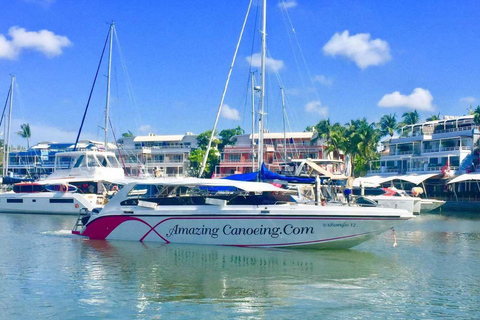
[92,161]
[103,160]
[113,162]
[28,188]
[143,191]
[64,162]
[86,186]
[80,162]
[198,195]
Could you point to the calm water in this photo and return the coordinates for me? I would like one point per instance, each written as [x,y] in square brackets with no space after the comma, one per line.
[433,273]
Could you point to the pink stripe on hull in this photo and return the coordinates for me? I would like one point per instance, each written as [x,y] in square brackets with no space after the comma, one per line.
[102,227]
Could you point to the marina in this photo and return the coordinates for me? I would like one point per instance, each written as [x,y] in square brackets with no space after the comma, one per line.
[329,184]
[48,272]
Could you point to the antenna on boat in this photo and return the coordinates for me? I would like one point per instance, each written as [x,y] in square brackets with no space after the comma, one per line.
[6,145]
[205,157]
[107,105]
[262,94]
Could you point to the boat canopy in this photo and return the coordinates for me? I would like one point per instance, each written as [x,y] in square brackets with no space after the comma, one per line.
[375,181]
[197,182]
[265,174]
[465,177]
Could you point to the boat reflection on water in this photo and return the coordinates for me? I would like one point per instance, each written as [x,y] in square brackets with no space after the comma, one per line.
[178,272]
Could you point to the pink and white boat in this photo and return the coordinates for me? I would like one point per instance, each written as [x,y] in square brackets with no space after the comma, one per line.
[231,213]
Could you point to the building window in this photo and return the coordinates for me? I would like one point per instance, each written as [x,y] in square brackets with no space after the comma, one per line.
[234,158]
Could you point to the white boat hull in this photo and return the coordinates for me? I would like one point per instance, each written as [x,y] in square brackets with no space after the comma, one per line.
[46,203]
[431,204]
[311,227]
[411,204]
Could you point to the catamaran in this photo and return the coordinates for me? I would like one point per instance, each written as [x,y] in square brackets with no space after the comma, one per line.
[231,213]
[82,181]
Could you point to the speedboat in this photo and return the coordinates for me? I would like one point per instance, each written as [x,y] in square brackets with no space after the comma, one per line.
[231,213]
[82,181]
[428,205]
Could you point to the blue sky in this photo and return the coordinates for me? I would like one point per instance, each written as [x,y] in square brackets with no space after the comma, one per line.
[362,59]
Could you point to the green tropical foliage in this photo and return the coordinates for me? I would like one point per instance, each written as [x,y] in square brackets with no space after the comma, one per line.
[196,156]
[358,139]
[227,134]
[433,117]
[409,118]
[388,125]
[25,133]
[476,115]
[127,134]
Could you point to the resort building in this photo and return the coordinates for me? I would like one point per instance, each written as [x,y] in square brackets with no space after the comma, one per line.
[448,147]
[237,158]
[157,155]
[434,154]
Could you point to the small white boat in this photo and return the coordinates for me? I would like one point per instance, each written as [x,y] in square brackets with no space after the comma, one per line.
[231,213]
[428,205]
[82,180]
[411,204]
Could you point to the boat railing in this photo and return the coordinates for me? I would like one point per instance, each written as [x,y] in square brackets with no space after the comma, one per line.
[79,223]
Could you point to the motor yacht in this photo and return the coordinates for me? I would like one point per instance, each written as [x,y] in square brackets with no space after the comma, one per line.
[82,180]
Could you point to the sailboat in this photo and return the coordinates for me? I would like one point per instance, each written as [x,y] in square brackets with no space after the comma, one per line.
[82,180]
[231,213]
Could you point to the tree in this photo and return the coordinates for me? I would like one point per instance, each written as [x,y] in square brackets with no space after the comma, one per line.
[127,134]
[361,141]
[227,134]
[476,115]
[26,133]
[309,129]
[409,118]
[434,117]
[197,155]
[388,125]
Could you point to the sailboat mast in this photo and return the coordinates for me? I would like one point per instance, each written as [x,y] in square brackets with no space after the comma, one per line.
[253,121]
[284,128]
[6,145]
[107,106]
[262,95]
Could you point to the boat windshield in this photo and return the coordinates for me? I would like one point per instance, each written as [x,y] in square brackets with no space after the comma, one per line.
[202,195]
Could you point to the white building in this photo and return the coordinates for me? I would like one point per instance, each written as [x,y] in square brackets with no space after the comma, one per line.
[159,155]
[431,147]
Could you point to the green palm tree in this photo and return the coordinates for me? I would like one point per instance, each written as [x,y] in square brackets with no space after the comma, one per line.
[434,117]
[388,125]
[26,133]
[411,117]
[476,115]
[127,134]
[361,140]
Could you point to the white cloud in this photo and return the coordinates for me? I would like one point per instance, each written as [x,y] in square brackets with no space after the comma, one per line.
[43,41]
[420,99]
[468,100]
[359,48]
[256,60]
[316,107]
[287,4]
[323,80]
[230,113]
[146,128]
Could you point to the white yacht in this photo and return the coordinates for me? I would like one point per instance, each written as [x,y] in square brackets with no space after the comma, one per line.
[231,213]
[82,180]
